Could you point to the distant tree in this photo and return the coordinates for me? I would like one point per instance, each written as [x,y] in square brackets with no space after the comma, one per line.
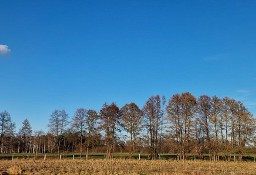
[57,124]
[174,120]
[247,128]
[72,140]
[39,142]
[242,124]
[131,119]
[233,107]
[215,117]
[52,141]
[181,110]
[204,111]
[217,124]
[226,118]
[188,111]
[110,119]
[229,120]
[79,123]
[7,128]
[91,122]
[85,121]
[25,134]
[153,114]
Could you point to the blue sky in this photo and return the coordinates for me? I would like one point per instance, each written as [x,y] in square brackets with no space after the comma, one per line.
[70,54]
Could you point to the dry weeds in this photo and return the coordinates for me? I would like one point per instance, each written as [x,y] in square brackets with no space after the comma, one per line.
[126,167]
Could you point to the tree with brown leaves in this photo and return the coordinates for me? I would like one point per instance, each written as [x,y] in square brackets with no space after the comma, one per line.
[153,116]
[131,119]
[110,119]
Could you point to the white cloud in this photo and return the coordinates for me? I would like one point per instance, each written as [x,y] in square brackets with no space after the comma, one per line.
[4,49]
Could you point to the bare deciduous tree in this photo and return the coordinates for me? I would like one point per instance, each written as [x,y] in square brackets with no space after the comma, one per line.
[57,124]
[204,111]
[7,128]
[181,111]
[25,133]
[110,119]
[91,122]
[79,123]
[153,114]
[131,121]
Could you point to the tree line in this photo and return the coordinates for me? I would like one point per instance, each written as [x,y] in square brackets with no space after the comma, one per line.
[181,125]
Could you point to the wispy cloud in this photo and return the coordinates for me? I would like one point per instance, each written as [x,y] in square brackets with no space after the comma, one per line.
[4,49]
[217,57]
[244,91]
[243,94]
[250,103]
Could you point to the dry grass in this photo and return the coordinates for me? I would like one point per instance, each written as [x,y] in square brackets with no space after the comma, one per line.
[14,170]
[122,167]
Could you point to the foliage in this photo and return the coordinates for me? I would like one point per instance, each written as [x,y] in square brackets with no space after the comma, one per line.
[186,125]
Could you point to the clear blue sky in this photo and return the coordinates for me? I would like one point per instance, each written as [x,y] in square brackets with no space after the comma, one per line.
[70,54]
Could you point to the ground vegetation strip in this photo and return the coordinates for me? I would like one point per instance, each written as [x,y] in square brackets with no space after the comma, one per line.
[121,166]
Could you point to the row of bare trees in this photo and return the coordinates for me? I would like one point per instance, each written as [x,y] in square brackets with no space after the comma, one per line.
[182,125]
[211,125]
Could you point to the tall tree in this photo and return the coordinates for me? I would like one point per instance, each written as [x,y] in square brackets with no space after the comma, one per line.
[153,114]
[26,133]
[243,124]
[174,118]
[91,122]
[7,128]
[79,123]
[188,110]
[181,112]
[215,117]
[131,119]
[217,124]
[204,111]
[57,124]
[110,119]
[226,118]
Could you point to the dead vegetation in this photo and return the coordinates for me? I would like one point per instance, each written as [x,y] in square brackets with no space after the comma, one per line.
[126,167]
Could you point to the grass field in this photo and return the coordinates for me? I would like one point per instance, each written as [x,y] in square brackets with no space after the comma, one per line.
[125,166]
[229,157]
